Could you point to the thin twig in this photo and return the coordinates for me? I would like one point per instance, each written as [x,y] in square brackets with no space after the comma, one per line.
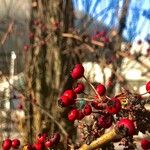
[9,30]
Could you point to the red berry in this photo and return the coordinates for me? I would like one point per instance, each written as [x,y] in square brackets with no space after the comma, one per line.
[113,106]
[66,101]
[70,94]
[72,116]
[31,36]
[145,144]
[148,87]
[101,89]
[41,139]
[38,146]
[102,33]
[15,143]
[128,124]
[80,115]
[79,88]
[105,39]
[105,121]
[87,110]
[77,72]
[49,144]
[6,145]
[26,47]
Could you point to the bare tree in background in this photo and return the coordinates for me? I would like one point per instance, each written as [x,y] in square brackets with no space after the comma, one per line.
[49,64]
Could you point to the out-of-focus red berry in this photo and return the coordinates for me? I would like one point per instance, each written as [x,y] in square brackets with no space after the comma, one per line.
[15,143]
[145,144]
[7,143]
[148,87]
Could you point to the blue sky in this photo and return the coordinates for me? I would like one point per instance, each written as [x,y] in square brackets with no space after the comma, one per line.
[138,20]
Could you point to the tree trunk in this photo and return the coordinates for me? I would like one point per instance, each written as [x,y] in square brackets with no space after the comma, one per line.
[49,66]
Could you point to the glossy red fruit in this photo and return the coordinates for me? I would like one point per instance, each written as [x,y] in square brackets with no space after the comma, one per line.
[38,146]
[72,116]
[101,89]
[70,94]
[105,121]
[77,72]
[6,145]
[41,139]
[15,143]
[49,144]
[80,115]
[128,124]
[148,87]
[79,88]
[66,101]
[145,144]
[113,106]
[87,110]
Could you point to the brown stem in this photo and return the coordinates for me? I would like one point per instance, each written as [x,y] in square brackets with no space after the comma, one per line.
[105,138]
[93,88]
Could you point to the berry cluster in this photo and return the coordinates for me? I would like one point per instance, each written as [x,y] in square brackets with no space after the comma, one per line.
[8,144]
[120,111]
[42,142]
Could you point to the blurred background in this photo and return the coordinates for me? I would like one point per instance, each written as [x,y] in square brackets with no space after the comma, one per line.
[41,41]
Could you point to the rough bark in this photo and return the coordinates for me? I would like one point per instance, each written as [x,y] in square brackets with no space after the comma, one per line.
[49,65]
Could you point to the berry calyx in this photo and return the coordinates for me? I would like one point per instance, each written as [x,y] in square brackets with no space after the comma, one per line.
[6,145]
[128,125]
[79,88]
[101,90]
[87,110]
[113,106]
[148,87]
[77,72]
[72,116]
[145,144]
[15,143]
